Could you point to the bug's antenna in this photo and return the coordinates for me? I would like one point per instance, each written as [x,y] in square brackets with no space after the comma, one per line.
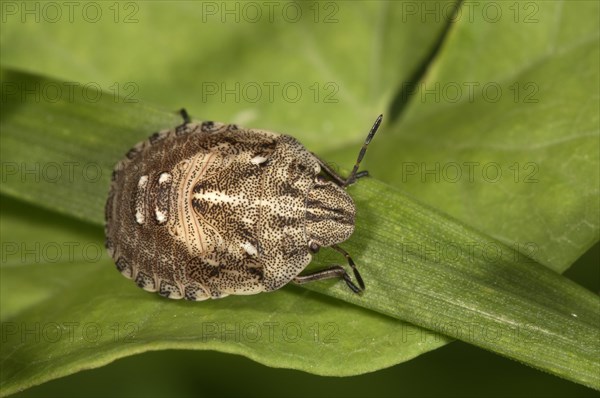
[355,175]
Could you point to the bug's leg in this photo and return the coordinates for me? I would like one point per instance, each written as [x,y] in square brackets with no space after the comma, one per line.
[355,174]
[185,116]
[351,264]
[182,128]
[335,271]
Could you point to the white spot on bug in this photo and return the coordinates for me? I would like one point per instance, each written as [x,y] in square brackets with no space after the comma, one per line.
[161,217]
[258,160]
[164,177]
[140,200]
[142,182]
[249,248]
[139,217]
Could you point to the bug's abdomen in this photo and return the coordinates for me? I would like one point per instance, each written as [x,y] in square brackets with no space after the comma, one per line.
[183,218]
[145,213]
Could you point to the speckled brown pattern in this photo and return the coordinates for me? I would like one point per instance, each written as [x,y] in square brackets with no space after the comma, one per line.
[207,210]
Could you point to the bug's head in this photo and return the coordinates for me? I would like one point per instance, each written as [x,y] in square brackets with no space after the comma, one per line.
[329,214]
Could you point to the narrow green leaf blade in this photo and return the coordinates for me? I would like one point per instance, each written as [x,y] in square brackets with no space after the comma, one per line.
[64,308]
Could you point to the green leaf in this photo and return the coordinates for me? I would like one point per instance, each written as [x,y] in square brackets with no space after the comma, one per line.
[304,74]
[420,266]
[62,300]
[57,289]
[545,51]
[505,128]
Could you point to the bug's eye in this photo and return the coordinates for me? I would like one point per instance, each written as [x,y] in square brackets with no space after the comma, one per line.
[313,247]
[320,179]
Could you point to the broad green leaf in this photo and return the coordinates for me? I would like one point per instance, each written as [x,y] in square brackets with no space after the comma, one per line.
[503,132]
[325,69]
[420,265]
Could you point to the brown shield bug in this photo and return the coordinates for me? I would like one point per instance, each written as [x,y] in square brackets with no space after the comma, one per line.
[206,210]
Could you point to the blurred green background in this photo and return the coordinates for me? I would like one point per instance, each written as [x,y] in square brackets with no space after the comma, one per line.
[350,60]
